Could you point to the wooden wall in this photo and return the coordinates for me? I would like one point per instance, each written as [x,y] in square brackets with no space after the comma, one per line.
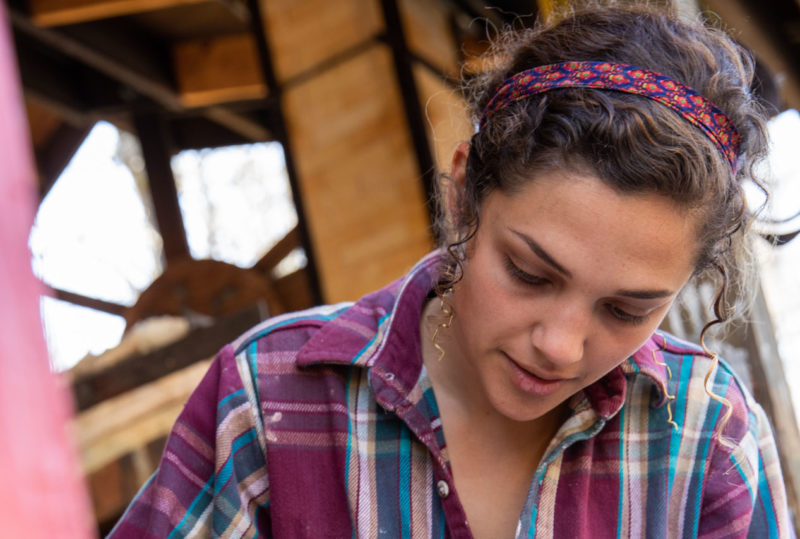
[349,133]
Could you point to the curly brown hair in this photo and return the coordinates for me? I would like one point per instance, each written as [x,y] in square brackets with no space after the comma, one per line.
[630,142]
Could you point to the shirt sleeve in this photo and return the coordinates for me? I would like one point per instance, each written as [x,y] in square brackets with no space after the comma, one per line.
[212,480]
[744,494]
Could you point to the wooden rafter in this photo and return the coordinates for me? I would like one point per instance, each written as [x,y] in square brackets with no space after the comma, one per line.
[135,371]
[124,58]
[219,70]
[55,156]
[265,58]
[157,148]
[63,12]
[92,303]
[411,103]
[206,77]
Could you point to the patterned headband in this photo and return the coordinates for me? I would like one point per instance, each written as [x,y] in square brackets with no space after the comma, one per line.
[625,78]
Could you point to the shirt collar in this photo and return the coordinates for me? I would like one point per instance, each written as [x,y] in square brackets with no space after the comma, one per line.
[651,360]
[381,329]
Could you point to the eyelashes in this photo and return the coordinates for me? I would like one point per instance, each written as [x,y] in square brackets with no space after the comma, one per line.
[525,278]
[625,316]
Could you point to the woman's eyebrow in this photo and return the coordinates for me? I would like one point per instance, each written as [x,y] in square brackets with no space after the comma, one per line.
[644,294]
[541,253]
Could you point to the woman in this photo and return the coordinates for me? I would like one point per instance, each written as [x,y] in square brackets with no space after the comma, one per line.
[533,397]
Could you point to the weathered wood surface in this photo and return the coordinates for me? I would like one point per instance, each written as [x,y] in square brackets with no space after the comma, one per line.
[429,34]
[125,423]
[63,12]
[218,70]
[151,129]
[135,371]
[305,34]
[359,178]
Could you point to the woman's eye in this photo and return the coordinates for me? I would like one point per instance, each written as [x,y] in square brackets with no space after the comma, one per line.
[625,316]
[523,276]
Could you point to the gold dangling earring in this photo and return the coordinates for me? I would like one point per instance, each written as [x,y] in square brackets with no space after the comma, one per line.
[669,397]
[447,311]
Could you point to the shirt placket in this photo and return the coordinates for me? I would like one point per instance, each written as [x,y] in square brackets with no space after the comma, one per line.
[421,426]
[562,441]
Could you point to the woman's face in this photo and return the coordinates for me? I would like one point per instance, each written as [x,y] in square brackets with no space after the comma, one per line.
[564,279]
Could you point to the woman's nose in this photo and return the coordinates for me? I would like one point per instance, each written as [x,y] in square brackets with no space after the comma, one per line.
[561,334]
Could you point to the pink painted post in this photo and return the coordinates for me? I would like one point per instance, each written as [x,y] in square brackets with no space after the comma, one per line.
[42,492]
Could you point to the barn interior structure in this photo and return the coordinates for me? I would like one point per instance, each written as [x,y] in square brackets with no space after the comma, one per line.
[363,97]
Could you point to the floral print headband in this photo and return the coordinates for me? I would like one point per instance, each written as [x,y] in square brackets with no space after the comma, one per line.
[624,78]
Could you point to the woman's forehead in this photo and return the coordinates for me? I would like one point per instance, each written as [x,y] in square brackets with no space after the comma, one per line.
[580,219]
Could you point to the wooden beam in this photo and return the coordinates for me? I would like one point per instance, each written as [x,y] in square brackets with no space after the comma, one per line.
[279,124]
[63,12]
[294,291]
[356,109]
[192,133]
[763,31]
[218,70]
[135,371]
[411,103]
[112,49]
[92,303]
[156,145]
[129,421]
[278,252]
[56,155]
[227,69]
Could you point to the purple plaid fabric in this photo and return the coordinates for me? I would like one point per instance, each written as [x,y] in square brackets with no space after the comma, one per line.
[323,423]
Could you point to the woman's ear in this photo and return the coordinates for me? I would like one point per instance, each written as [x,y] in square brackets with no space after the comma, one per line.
[454,188]
[458,169]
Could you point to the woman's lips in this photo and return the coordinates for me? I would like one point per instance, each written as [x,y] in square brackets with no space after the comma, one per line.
[532,384]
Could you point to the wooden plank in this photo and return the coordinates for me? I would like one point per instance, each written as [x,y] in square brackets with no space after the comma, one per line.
[92,303]
[157,152]
[305,34]
[429,34]
[63,12]
[131,420]
[278,252]
[415,123]
[114,51]
[194,133]
[218,70]
[267,58]
[761,36]
[41,121]
[53,157]
[225,70]
[548,7]
[200,344]
[294,291]
[361,184]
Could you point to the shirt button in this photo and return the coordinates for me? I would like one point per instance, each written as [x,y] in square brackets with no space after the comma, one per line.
[443,488]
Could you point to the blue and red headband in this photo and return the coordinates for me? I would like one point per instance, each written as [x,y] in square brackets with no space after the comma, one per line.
[624,78]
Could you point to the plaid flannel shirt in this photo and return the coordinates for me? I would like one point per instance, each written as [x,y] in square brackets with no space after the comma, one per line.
[323,423]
